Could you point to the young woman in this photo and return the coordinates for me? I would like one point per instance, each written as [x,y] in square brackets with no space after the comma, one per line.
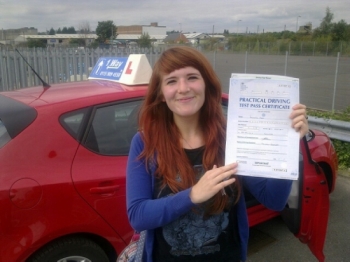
[176,177]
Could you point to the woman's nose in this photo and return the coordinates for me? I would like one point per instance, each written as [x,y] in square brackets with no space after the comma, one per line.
[183,86]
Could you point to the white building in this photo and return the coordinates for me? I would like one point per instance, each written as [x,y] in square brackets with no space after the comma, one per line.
[196,38]
[132,33]
[58,39]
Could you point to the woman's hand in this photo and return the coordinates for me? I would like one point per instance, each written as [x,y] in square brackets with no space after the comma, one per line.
[299,119]
[212,182]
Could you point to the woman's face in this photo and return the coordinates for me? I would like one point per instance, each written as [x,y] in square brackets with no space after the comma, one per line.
[184,92]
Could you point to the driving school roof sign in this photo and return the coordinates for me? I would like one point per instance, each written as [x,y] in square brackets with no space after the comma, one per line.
[109,68]
[132,70]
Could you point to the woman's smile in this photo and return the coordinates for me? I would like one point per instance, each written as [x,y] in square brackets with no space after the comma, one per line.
[185,99]
[184,92]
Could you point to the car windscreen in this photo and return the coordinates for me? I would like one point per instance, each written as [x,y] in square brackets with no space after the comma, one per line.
[14,118]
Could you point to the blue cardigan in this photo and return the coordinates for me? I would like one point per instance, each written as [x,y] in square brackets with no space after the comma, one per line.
[146,213]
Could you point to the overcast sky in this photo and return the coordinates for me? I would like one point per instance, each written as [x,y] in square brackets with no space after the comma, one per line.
[186,15]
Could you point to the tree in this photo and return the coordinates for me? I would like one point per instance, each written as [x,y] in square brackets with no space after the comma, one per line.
[84,28]
[289,35]
[35,43]
[94,44]
[326,25]
[71,30]
[144,40]
[210,43]
[77,42]
[105,30]
[84,31]
[172,32]
[66,30]
[51,32]
[340,31]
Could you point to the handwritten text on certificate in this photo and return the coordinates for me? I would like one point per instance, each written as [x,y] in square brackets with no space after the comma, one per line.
[259,133]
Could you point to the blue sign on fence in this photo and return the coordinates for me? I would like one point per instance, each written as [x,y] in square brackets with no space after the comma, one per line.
[110,68]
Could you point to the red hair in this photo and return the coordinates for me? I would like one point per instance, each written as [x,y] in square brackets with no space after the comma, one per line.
[162,137]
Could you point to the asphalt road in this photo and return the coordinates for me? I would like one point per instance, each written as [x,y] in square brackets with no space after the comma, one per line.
[318,83]
[272,241]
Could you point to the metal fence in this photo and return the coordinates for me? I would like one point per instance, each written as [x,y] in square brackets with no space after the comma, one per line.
[54,65]
[335,129]
[280,47]
[324,80]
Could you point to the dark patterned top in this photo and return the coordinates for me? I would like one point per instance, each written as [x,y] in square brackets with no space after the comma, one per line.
[193,237]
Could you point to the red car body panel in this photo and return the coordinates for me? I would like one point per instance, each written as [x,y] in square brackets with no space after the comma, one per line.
[258,214]
[52,186]
[314,206]
[106,192]
[322,152]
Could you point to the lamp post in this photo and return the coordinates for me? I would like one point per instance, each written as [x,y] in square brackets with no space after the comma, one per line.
[296,26]
[238,25]
[180,27]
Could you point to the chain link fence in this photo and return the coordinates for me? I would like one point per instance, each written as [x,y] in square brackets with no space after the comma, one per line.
[302,48]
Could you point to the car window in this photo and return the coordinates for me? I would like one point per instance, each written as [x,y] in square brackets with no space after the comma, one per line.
[15,117]
[73,122]
[112,128]
[4,135]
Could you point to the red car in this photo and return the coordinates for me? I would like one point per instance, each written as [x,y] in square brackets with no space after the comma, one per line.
[63,153]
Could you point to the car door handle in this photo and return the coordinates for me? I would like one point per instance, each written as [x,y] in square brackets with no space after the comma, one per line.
[104,189]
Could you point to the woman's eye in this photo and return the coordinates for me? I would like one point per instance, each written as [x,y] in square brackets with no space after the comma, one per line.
[170,82]
[193,78]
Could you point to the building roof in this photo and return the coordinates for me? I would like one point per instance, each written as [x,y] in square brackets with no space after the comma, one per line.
[172,37]
[60,36]
[137,36]
[121,37]
[179,37]
[217,36]
[196,35]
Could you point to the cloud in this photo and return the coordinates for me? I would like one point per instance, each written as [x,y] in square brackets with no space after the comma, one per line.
[188,16]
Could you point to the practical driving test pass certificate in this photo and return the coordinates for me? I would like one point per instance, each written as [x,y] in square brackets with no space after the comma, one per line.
[259,132]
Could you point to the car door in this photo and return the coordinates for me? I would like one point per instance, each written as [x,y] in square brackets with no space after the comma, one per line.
[308,206]
[99,167]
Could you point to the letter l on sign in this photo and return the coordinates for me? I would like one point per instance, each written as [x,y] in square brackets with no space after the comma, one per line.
[128,69]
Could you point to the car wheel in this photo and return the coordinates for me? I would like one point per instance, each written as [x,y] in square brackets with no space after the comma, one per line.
[74,249]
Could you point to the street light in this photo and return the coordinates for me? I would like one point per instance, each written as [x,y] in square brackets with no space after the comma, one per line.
[238,25]
[296,26]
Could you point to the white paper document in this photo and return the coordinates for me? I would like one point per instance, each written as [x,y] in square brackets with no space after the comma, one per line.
[259,133]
